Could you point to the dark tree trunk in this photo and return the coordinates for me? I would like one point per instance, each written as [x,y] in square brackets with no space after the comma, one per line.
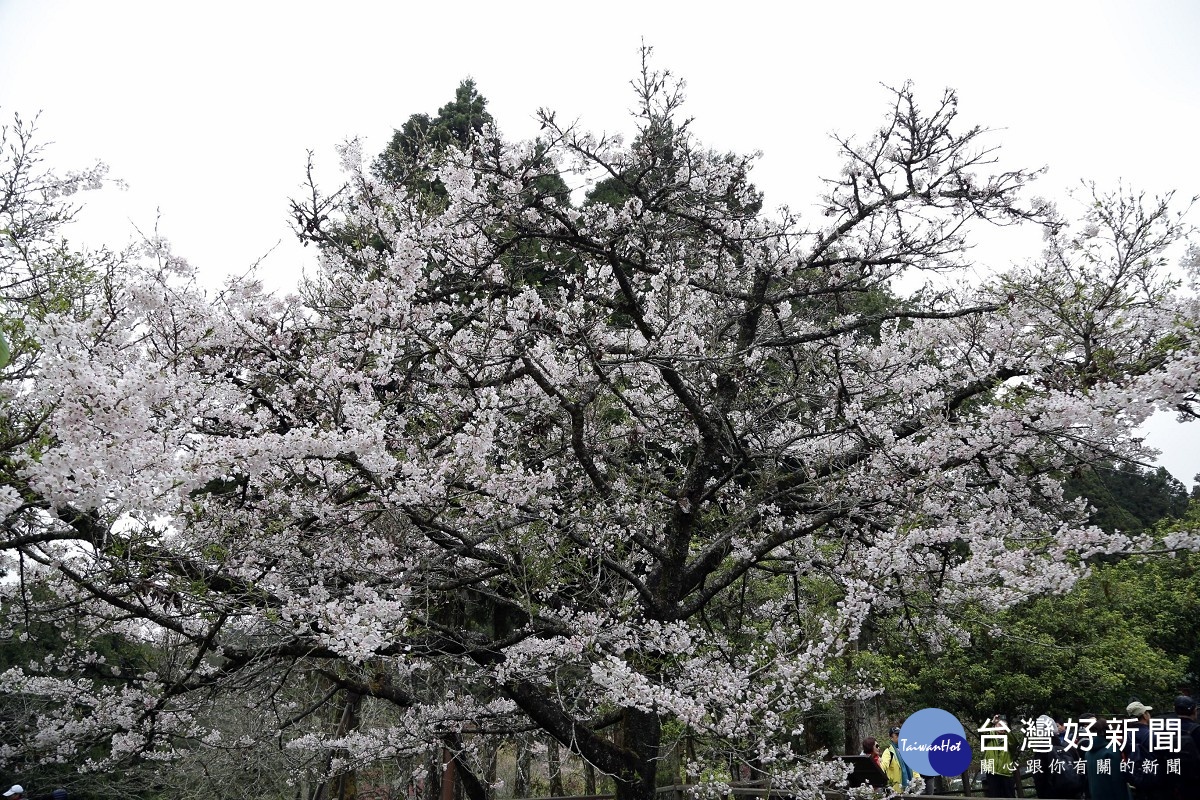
[345,785]
[433,776]
[855,725]
[641,734]
[589,778]
[524,767]
[554,767]
[491,768]
[459,781]
[631,758]
[854,711]
[469,785]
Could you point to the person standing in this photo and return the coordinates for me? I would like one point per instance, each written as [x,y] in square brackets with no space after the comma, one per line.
[1148,777]
[1184,783]
[999,781]
[15,793]
[1103,762]
[892,763]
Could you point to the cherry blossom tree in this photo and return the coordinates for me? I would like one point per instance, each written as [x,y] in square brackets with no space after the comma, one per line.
[39,273]
[654,494]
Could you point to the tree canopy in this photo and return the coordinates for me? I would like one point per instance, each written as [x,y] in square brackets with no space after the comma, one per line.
[622,473]
[457,123]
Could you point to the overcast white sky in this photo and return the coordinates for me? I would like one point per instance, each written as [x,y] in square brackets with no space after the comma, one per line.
[207,109]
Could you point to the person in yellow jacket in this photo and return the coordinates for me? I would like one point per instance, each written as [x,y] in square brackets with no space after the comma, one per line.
[899,774]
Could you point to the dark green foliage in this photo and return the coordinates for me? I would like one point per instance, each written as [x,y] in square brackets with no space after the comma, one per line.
[1170,595]
[456,124]
[655,168]
[1088,650]
[612,191]
[1127,498]
[533,261]
[1126,630]
[422,140]
[410,161]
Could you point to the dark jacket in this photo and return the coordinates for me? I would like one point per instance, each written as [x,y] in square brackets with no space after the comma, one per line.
[1149,776]
[1185,783]
[1108,784]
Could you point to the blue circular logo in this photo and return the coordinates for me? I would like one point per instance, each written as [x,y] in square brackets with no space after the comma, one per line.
[933,742]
